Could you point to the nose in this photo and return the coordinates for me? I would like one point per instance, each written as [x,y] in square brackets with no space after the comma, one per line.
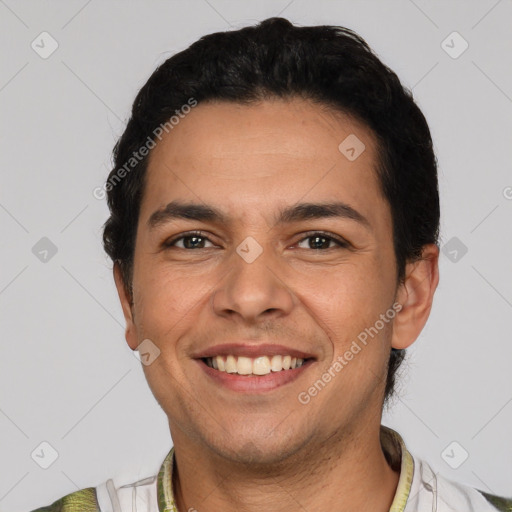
[253,291]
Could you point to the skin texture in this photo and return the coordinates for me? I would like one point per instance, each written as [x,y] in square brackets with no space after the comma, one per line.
[268,451]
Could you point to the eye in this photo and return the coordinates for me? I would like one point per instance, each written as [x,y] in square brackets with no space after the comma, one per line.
[192,240]
[319,240]
[197,240]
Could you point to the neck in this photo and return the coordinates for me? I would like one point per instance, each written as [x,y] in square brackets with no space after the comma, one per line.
[347,472]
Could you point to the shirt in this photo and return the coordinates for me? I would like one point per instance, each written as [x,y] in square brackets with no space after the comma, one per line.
[419,489]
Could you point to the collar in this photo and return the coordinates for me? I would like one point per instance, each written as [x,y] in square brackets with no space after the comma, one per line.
[393,446]
[398,456]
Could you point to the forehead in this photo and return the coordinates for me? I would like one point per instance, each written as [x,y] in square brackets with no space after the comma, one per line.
[261,157]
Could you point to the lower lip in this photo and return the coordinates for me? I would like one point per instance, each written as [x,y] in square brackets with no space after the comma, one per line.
[254,383]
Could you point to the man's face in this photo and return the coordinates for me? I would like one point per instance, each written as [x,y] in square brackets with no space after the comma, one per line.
[250,283]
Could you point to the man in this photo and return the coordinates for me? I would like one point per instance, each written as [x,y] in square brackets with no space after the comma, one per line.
[274,232]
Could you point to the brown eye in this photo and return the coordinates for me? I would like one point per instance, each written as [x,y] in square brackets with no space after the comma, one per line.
[321,241]
[190,241]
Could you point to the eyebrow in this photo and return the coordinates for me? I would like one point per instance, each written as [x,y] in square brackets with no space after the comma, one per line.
[296,213]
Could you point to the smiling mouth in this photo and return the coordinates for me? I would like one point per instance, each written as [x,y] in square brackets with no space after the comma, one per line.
[257,366]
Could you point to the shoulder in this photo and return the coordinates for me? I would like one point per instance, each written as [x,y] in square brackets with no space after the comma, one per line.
[449,495]
[146,495]
[456,494]
[84,500]
[108,497]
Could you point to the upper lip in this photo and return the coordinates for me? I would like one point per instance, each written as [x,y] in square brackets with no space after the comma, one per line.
[251,350]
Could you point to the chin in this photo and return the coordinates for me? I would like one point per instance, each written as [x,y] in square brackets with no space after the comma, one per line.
[257,448]
[255,455]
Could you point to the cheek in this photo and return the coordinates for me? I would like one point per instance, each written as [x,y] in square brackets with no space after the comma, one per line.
[162,301]
[349,304]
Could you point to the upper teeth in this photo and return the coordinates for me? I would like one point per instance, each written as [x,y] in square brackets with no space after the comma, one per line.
[256,366]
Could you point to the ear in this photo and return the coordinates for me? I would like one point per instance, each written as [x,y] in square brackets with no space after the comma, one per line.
[416,295]
[126,304]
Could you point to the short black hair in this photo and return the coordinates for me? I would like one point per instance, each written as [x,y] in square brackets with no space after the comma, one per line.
[330,65]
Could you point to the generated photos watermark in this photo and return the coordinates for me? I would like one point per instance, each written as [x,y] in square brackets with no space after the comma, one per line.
[137,156]
[341,361]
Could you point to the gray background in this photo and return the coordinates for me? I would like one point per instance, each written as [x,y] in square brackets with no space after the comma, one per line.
[67,376]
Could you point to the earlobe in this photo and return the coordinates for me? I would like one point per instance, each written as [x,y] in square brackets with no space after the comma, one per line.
[127,305]
[416,296]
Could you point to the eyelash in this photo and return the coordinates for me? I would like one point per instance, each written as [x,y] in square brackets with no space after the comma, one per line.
[342,244]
